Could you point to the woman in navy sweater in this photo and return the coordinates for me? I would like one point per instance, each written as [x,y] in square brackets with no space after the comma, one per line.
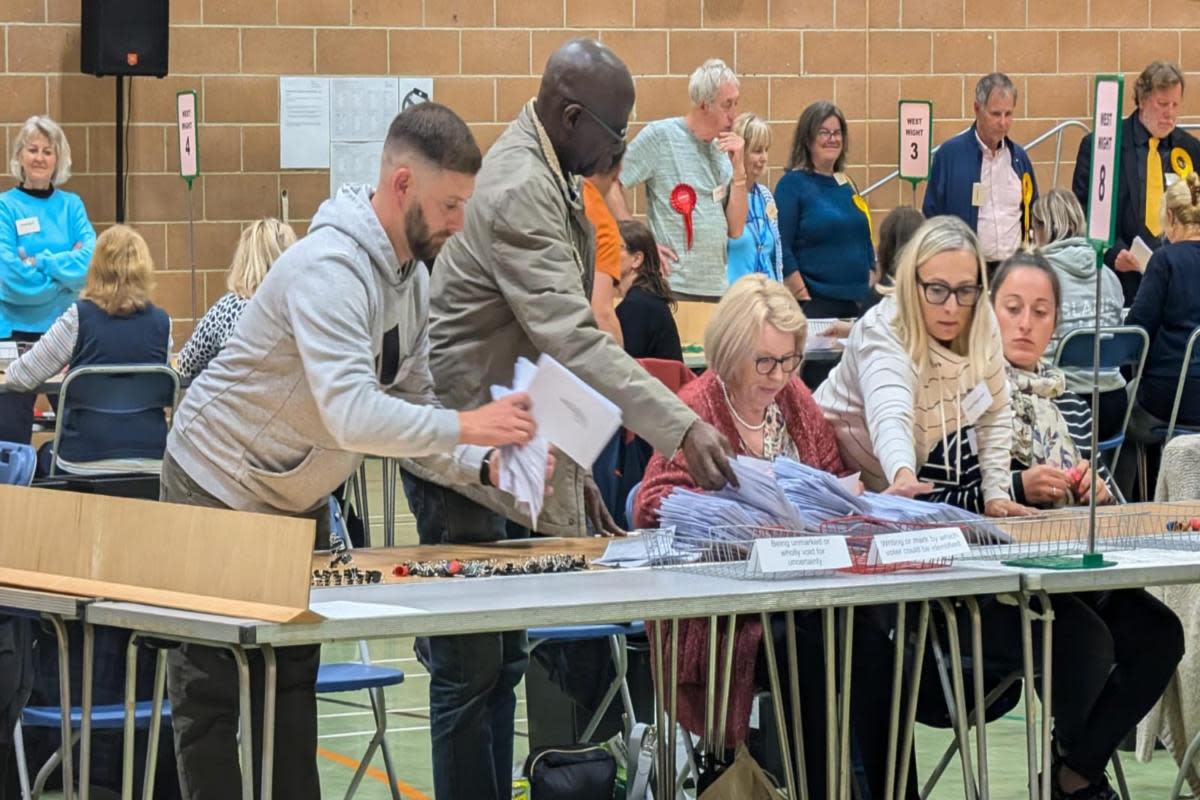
[824,223]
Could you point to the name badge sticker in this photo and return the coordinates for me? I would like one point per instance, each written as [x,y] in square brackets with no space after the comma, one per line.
[28,225]
[718,194]
[976,403]
[977,194]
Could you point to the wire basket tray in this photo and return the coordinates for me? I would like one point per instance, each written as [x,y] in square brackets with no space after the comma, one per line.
[1164,528]
[1054,533]
[721,551]
[859,532]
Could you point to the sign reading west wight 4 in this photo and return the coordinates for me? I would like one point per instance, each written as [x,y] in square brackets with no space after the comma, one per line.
[1106,160]
[189,151]
[916,136]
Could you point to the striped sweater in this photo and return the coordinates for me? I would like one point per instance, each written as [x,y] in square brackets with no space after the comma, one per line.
[888,415]
[965,489]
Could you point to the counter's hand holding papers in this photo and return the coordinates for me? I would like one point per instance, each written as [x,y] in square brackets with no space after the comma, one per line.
[569,414]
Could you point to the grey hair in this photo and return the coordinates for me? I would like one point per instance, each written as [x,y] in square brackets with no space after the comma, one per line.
[1157,75]
[58,140]
[1059,215]
[706,82]
[992,82]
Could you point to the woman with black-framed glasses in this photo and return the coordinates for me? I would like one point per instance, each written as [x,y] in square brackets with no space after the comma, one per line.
[925,364]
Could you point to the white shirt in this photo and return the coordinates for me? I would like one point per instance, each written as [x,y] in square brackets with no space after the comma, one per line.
[1000,209]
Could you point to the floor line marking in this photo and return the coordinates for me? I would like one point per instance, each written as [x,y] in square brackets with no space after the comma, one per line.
[377,774]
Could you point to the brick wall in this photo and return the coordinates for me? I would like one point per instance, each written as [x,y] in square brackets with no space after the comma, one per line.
[485,55]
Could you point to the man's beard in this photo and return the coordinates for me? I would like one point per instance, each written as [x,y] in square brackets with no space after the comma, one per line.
[423,245]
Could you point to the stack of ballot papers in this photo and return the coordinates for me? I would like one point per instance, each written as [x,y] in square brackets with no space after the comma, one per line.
[820,336]
[570,415]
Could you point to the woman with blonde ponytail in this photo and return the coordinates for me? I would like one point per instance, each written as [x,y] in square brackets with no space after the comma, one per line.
[1168,307]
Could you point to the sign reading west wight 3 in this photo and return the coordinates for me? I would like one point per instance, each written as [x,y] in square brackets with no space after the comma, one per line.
[916,136]
[1106,160]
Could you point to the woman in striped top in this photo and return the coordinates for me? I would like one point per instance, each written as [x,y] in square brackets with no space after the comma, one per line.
[924,364]
[1113,652]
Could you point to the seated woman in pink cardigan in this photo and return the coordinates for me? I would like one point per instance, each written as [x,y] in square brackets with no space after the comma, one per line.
[755,343]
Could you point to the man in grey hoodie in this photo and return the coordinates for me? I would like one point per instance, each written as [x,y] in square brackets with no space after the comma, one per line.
[329,361]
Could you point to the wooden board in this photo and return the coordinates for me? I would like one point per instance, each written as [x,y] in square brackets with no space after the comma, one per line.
[384,559]
[691,318]
[197,559]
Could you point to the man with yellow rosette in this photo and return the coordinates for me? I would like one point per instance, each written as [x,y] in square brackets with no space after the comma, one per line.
[985,178]
[1154,154]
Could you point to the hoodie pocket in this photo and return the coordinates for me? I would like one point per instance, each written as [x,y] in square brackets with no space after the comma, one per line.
[297,489]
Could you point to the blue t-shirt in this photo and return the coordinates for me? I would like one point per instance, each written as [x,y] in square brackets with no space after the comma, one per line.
[824,235]
[45,229]
[756,251]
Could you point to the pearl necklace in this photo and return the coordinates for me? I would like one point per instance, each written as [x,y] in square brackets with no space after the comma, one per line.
[737,416]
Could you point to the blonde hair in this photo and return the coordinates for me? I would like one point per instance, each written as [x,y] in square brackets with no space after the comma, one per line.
[1181,202]
[1060,215]
[752,302]
[260,245]
[120,277]
[754,130]
[940,235]
[43,126]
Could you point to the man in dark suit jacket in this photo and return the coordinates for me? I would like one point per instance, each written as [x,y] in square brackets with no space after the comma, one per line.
[1157,94]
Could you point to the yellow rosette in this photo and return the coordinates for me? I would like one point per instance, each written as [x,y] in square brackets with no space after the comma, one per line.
[862,206]
[1026,198]
[1181,163]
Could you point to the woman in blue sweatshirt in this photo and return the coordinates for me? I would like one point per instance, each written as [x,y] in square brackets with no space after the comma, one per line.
[46,243]
[824,223]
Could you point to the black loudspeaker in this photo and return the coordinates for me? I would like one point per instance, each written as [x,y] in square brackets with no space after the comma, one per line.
[124,37]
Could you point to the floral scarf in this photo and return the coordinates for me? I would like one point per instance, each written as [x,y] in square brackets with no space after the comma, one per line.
[1040,434]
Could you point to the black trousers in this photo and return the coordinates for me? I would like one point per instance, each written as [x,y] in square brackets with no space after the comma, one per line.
[16,410]
[1113,654]
[203,685]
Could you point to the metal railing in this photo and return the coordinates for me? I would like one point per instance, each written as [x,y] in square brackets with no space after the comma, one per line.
[1056,132]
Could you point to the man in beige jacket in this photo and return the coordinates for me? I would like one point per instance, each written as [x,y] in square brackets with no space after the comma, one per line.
[515,282]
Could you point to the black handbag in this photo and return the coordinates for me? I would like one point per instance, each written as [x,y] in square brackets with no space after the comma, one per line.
[583,772]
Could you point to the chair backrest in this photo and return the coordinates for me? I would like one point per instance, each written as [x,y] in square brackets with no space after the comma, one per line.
[1189,352]
[675,374]
[94,400]
[1122,346]
[17,462]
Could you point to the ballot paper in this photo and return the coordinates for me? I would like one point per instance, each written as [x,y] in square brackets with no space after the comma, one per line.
[569,414]
[1141,252]
[523,467]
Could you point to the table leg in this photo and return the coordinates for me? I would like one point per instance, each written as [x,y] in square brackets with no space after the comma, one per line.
[246,722]
[960,700]
[270,675]
[910,722]
[160,682]
[656,666]
[130,710]
[980,701]
[1047,686]
[781,725]
[831,727]
[899,634]
[64,702]
[673,705]
[794,691]
[1030,716]
[847,664]
[708,741]
[85,723]
[726,684]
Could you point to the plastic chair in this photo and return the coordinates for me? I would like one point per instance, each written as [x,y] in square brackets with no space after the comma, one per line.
[629,502]
[1121,346]
[95,398]
[17,462]
[616,635]
[353,676]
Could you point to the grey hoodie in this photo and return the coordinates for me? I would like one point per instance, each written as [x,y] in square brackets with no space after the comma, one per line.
[1074,261]
[305,385]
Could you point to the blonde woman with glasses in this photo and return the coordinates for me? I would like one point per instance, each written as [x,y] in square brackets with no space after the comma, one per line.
[260,244]
[924,364]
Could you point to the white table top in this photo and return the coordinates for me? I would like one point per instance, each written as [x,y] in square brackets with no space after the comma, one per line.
[454,606]
[61,605]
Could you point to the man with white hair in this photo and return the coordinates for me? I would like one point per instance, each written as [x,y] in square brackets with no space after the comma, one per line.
[985,178]
[695,183]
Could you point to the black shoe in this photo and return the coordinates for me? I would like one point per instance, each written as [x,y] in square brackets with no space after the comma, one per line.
[1095,791]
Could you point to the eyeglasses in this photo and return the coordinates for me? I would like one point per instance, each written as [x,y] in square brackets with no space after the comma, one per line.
[828,135]
[938,293]
[619,135]
[789,363]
